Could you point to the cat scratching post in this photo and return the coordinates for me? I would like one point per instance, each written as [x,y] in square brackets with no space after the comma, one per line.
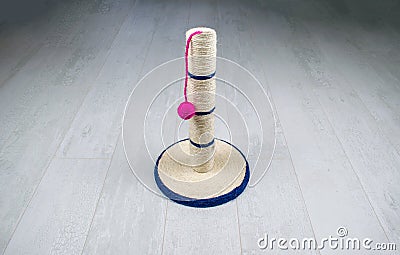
[201,92]
[201,171]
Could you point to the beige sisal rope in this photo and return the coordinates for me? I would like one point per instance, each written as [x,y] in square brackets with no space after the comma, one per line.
[202,62]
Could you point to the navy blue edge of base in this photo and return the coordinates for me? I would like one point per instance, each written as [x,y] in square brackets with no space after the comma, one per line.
[207,202]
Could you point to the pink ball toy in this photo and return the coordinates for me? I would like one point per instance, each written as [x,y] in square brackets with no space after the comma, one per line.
[186,110]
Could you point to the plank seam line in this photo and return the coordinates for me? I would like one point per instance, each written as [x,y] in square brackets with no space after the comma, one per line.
[238,222]
[100,195]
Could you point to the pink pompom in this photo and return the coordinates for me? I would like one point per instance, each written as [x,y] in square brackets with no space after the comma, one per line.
[186,110]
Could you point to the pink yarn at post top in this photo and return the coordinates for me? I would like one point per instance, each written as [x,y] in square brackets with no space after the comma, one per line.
[186,110]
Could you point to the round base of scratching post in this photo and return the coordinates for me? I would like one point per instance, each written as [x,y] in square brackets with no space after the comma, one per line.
[178,180]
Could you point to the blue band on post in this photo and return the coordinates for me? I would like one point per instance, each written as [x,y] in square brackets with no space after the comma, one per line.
[198,145]
[205,113]
[201,77]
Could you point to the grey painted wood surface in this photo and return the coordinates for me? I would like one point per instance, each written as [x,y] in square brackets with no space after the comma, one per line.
[330,67]
[129,219]
[96,137]
[274,208]
[318,157]
[358,89]
[40,100]
[58,218]
[263,210]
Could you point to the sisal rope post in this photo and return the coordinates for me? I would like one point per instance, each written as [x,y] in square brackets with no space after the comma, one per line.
[201,171]
[201,92]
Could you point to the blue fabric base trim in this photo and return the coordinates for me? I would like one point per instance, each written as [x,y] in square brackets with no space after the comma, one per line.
[201,77]
[205,145]
[202,203]
[205,113]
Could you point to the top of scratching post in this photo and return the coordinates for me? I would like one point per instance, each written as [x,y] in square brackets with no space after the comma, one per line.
[207,39]
[205,31]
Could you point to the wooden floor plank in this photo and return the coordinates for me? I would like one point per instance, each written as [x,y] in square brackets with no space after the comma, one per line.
[37,106]
[85,41]
[198,231]
[95,129]
[345,91]
[251,117]
[325,174]
[263,209]
[20,40]
[274,207]
[58,218]
[129,218]
[363,58]
[374,29]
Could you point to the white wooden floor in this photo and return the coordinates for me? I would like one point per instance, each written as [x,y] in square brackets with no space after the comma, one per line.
[331,67]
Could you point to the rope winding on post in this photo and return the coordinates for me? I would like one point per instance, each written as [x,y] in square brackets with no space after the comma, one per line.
[201,92]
